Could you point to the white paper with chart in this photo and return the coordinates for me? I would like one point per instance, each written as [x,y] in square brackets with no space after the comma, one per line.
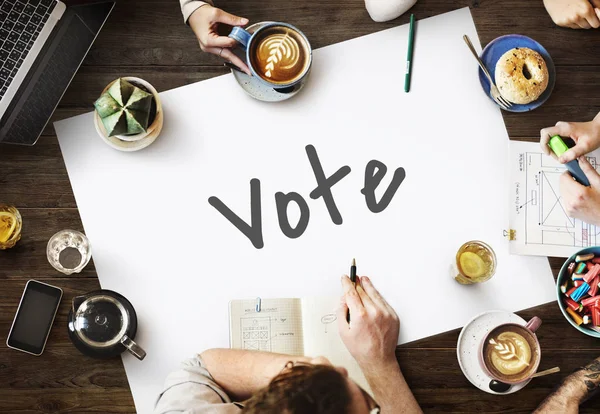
[162,221]
[537,213]
[306,326]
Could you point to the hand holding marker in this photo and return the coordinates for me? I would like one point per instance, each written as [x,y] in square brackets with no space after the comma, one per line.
[558,146]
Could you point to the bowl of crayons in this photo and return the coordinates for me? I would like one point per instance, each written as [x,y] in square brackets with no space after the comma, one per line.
[578,291]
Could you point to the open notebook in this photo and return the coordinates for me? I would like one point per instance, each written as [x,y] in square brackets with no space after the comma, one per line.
[306,326]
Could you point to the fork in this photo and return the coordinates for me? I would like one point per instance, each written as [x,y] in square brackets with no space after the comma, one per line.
[496,95]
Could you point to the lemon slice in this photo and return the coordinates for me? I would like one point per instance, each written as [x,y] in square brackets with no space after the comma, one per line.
[471,264]
[8,222]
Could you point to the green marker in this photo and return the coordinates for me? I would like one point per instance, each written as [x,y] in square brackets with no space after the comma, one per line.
[409,55]
[558,146]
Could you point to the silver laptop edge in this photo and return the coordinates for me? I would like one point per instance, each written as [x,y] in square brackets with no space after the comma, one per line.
[32,55]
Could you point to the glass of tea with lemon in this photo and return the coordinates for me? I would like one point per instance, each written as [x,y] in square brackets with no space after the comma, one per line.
[475,263]
[10,226]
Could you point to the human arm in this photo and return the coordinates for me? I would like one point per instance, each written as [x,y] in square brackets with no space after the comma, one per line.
[575,14]
[574,390]
[241,373]
[585,134]
[205,21]
[190,6]
[371,337]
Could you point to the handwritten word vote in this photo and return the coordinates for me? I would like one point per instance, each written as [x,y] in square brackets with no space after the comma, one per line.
[374,173]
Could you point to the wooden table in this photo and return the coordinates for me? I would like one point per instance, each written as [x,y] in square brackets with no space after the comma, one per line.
[147,38]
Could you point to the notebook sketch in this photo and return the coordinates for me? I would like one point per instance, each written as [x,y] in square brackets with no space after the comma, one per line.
[256,333]
[537,212]
[306,326]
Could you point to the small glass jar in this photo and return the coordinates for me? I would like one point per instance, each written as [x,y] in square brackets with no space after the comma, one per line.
[69,251]
[475,263]
[10,226]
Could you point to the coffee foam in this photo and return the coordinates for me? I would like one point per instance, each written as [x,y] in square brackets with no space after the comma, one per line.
[280,55]
[510,353]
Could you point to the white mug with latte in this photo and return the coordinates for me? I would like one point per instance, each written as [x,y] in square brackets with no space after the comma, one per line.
[510,352]
[278,54]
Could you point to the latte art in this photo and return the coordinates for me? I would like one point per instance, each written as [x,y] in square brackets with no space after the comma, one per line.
[510,353]
[280,55]
[283,51]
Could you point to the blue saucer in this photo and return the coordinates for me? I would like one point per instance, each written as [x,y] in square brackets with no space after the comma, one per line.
[497,47]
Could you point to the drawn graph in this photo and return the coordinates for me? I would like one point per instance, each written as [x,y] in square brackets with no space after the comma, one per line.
[256,333]
[547,221]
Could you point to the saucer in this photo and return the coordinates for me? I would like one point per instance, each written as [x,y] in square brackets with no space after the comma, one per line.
[253,86]
[467,348]
[496,48]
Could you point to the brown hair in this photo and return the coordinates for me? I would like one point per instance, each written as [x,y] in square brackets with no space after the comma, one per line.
[303,389]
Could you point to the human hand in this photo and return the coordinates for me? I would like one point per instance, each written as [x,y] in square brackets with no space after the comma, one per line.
[576,14]
[585,134]
[205,22]
[582,202]
[372,333]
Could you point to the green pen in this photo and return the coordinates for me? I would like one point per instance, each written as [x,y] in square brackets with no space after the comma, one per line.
[409,55]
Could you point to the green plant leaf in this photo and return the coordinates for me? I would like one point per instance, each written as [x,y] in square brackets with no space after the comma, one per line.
[139,100]
[106,105]
[124,108]
[115,124]
[137,121]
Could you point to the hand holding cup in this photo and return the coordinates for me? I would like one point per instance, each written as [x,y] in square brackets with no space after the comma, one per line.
[205,22]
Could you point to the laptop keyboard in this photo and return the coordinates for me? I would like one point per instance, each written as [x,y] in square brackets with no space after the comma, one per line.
[20,24]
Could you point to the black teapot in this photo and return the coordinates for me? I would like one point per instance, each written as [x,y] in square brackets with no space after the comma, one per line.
[103,324]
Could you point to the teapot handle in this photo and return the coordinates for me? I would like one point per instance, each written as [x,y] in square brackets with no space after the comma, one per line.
[132,347]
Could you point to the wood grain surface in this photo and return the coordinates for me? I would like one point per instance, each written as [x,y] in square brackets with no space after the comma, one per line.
[147,38]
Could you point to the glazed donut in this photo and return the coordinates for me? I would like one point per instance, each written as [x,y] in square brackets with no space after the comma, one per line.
[521,75]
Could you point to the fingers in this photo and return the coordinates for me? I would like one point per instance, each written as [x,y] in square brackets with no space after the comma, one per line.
[566,129]
[353,300]
[583,23]
[228,18]
[561,128]
[571,192]
[375,295]
[227,54]
[597,10]
[579,150]
[589,171]
[364,298]
[566,182]
[220,41]
[591,17]
[342,313]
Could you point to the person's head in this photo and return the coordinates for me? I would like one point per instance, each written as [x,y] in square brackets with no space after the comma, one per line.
[314,388]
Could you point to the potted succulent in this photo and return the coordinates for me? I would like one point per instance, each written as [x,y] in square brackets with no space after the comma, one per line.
[128,114]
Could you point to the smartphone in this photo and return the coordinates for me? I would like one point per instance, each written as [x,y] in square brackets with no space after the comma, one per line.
[35,316]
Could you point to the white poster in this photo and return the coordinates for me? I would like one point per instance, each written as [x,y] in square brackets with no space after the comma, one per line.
[397,180]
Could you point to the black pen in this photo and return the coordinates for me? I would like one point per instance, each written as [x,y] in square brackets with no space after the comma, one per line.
[353,280]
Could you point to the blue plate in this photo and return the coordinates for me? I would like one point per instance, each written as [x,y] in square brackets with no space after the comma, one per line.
[497,47]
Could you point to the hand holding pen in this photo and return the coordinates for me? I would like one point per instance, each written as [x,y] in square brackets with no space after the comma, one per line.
[372,334]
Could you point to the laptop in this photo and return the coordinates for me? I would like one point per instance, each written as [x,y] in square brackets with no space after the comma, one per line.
[42,44]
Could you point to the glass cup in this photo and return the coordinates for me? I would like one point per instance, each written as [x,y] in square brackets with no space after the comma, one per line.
[10,226]
[475,263]
[69,251]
